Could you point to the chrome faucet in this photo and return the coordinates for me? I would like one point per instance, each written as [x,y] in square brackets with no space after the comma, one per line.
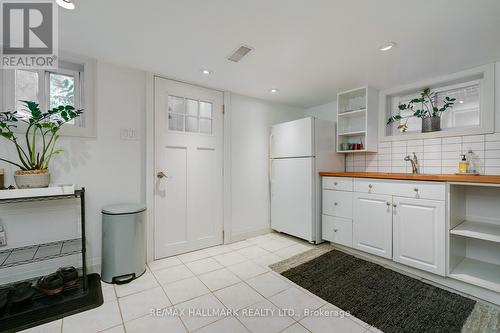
[414,163]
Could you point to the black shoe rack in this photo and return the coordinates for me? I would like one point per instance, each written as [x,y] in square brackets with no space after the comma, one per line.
[42,308]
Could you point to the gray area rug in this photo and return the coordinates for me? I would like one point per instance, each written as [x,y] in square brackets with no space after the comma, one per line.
[383,298]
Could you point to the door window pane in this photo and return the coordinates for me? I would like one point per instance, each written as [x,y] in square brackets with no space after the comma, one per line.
[206,126]
[176,105]
[175,122]
[192,124]
[206,110]
[192,107]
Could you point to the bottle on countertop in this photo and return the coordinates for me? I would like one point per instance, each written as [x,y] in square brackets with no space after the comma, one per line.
[463,166]
[471,158]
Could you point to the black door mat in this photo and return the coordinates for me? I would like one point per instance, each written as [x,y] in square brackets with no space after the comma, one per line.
[53,307]
[390,301]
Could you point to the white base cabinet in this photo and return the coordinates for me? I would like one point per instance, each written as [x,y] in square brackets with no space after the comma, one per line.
[372,224]
[419,232]
[400,220]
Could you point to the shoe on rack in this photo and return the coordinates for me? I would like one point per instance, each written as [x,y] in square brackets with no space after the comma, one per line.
[69,275]
[51,284]
[22,293]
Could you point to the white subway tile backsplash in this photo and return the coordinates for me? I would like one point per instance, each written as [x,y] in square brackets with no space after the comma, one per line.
[451,155]
[435,155]
[432,141]
[492,171]
[432,148]
[384,157]
[452,140]
[432,170]
[432,156]
[493,137]
[384,150]
[473,138]
[398,150]
[432,163]
[492,162]
[492,154]
[401,143]
[474,146]
[494,145]
[451,147]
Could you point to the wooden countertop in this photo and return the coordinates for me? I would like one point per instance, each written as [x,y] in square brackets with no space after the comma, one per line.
[409,176]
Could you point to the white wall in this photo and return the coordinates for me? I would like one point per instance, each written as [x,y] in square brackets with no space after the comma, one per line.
[250,122]
[110,169]
[326,111]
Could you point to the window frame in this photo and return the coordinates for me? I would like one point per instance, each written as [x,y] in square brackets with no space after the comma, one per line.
[84,126]
[486,77]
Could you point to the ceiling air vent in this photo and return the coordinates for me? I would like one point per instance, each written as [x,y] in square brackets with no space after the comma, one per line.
[239,53]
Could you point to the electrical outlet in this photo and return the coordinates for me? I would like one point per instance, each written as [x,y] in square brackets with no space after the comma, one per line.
[129,134]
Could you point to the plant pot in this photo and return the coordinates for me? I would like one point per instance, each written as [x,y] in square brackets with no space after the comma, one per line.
[431,124]
[32,179]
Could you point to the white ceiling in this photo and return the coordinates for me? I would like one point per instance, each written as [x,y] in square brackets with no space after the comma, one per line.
[307,49]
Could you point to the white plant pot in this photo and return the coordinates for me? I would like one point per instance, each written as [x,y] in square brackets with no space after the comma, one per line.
[35,180]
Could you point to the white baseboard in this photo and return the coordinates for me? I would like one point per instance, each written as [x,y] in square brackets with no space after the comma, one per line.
[248,234]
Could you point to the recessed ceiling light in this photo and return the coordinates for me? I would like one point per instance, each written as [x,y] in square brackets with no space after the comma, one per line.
[387,46]
[66,4]
[461,102]
[206,71]
[274,90]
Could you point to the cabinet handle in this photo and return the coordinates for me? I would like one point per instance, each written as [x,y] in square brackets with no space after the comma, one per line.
[388,203]
[335,183]
[335,203]
[394,205]
[335,230]
[370,185]
[415,189]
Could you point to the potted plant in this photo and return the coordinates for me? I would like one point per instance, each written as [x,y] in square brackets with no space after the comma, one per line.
[424,107]
[40,141]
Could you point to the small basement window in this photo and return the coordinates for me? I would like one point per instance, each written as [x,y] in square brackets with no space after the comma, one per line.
[65,85]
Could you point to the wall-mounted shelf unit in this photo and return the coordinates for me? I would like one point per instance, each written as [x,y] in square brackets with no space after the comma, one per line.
[357,112]
[474,234]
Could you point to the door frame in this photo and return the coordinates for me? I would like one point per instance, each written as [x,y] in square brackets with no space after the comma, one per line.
[149,174]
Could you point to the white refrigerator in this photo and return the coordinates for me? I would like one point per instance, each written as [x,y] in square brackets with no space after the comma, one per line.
[299,150]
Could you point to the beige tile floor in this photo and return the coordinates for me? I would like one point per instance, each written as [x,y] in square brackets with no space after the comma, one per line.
[234,276]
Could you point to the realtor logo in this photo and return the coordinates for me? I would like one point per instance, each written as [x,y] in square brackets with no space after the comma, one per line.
[29,38]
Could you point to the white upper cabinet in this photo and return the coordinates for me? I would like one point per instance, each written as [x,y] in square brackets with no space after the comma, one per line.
[419,231]
[372,223]
[357,112]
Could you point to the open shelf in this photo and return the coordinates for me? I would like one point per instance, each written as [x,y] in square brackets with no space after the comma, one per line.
[353,151]
[479,273]
[479,230]
[39,252]
[352,113]
[37,192]
[354,133]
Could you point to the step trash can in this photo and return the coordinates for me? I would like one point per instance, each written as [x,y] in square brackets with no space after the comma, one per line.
[123,242]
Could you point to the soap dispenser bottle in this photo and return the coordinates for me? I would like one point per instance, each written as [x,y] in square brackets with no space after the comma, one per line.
[463,166]
[471,158]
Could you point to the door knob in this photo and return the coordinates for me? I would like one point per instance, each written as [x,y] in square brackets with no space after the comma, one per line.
[388,203]
[161,175]
[335,203]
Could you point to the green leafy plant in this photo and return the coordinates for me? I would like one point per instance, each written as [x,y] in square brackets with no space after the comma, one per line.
[40,136]
[425,106]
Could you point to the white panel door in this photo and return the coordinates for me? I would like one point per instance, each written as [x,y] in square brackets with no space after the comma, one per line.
[293,139]
[292,196]
[188,161]
[372,223]
[419,233]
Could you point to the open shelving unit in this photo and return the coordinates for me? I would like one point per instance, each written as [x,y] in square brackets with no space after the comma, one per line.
[83,295]
[357,112]
[474,234]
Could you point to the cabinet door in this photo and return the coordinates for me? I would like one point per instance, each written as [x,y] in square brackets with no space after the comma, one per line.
[419,233]
[372,223]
